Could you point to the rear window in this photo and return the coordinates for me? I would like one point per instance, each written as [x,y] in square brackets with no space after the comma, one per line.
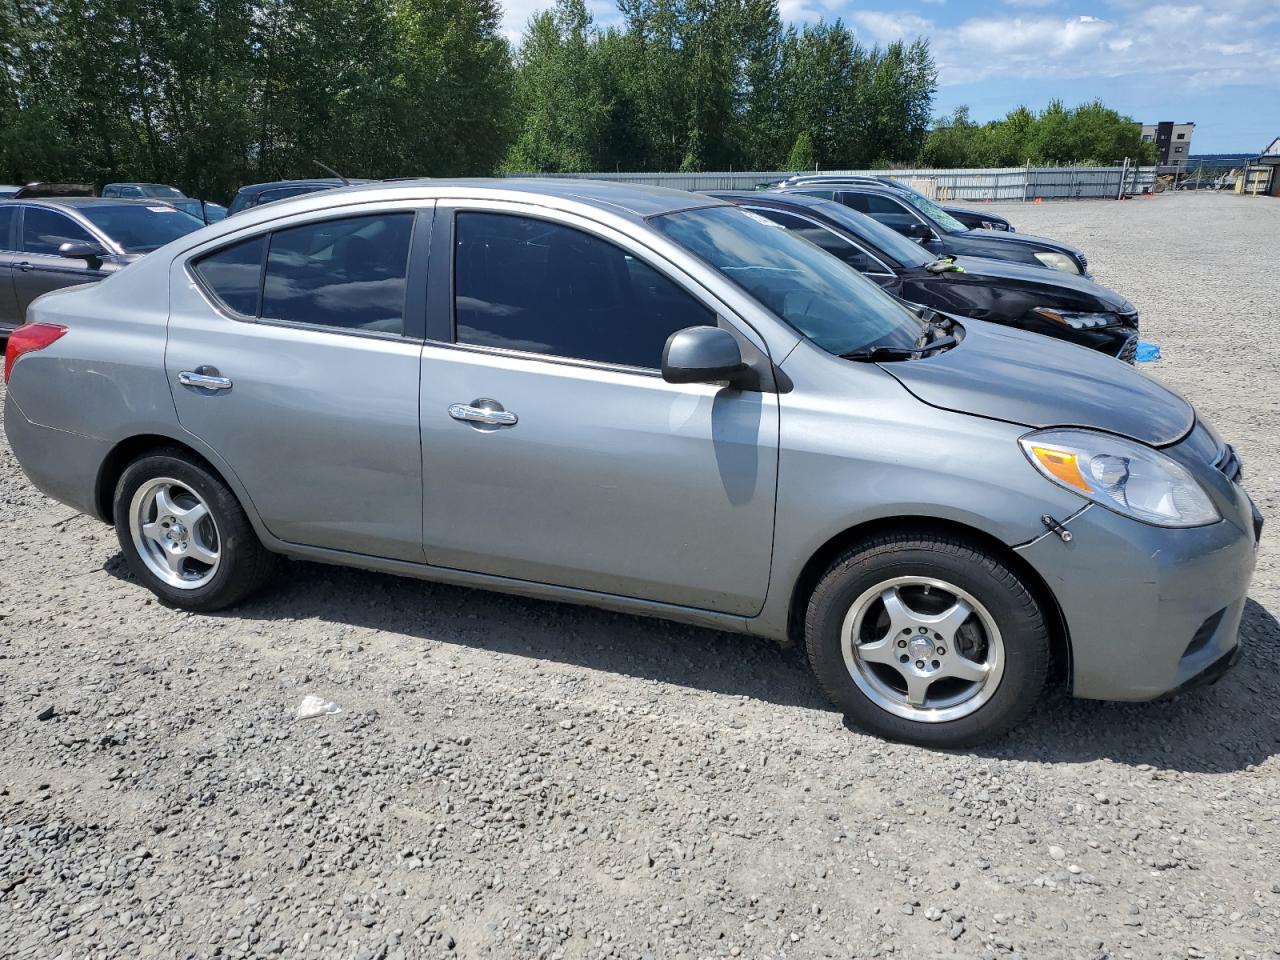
[141,228]
[234,274]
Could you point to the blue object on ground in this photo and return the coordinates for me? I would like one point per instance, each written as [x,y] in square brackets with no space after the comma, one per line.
[1147,351]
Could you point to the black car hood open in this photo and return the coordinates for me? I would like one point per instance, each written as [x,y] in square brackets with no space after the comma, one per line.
[1020,377]
[1024,274]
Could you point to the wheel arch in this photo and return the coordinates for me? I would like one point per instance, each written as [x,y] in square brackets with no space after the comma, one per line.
[825,555]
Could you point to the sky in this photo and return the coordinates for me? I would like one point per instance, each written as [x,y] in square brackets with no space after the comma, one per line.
[1215,63]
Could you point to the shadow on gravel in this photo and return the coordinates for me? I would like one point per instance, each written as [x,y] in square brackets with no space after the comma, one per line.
[1221,728]
[642,647]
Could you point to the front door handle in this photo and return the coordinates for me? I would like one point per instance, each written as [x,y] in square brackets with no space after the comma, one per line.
[205,381]
[487,412]
[24,265]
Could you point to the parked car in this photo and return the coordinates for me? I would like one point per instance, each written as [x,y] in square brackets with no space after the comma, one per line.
[919,218]
[33,191]
[206,211]
[256,194]
[973,219]
[1061,305]
[51,243]
[650,401]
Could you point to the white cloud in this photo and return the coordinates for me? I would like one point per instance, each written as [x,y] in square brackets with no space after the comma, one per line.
[1181,43]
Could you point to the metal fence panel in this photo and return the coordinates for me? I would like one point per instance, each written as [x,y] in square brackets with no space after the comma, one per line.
[997,184]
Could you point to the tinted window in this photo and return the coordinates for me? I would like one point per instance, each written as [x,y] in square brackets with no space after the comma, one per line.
[44,231]
[234,275]
[346,273]
[526,284]
[834,244]
[8,217]
[821,194]
[139,228]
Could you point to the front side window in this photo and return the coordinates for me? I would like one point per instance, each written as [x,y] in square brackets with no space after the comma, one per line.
[837,308]
[536,286]
[347,273]
[234,275]
[44,231]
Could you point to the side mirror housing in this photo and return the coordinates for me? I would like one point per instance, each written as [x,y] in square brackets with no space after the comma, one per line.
[91,253]
[918,231]
[702,355]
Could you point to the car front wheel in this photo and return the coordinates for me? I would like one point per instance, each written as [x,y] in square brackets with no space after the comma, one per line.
[185,535]
[928,639]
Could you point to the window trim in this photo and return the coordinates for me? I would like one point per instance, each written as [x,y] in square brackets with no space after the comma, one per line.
[888,271]
[415,295]
[444,240]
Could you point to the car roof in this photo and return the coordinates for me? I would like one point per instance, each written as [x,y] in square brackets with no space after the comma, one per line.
[636,201]
[77,202]
[256,188]
[779,197]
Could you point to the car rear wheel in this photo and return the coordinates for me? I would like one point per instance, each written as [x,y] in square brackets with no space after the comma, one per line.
[185,535]
[927,639]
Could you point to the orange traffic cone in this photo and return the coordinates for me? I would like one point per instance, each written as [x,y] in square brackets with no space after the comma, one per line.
[1039,200]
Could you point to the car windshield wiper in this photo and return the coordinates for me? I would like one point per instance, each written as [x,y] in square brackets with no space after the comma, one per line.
[884,352]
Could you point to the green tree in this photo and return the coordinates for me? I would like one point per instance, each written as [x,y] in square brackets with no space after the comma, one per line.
[801,155]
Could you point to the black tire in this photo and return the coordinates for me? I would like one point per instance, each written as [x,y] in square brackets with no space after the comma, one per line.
[244,565]
[1008,600]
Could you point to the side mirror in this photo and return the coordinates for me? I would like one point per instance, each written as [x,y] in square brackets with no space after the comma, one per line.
[918,231]
[84,250]
[701,355]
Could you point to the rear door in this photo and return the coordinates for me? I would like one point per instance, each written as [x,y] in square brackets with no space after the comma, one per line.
[9,316]
[294,354]
[40,268]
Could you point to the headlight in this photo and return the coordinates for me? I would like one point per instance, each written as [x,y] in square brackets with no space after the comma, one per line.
[1077,320]
[1121,475]
[1058,261]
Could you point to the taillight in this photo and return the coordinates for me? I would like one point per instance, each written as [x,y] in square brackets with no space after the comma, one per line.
[28,339]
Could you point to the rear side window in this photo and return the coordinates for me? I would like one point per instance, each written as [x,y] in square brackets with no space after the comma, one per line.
[347,273]
[530,285]
[234,275]
[44,231]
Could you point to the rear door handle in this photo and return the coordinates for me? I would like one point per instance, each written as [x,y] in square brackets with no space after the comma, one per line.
[205,381]
[488,412]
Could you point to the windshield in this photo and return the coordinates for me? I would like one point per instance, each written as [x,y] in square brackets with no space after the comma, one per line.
[906,252]
[934,212]
[139,228]
[816,294]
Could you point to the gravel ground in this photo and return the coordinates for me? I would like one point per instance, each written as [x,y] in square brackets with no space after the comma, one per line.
[510,778]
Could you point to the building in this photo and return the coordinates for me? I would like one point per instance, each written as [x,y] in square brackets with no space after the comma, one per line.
[1172,140]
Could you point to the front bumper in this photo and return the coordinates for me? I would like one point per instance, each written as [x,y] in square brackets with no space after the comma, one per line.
[1148,610]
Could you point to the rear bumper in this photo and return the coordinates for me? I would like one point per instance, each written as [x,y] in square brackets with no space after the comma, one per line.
[61,464]
[1149,611]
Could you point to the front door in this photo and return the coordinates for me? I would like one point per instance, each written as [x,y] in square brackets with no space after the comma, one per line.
[553,450]
[40,268]
[294,355]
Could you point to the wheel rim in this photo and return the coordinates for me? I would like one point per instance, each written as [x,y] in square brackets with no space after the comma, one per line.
[923,649]
[175,534]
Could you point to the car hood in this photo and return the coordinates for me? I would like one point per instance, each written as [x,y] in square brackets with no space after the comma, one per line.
[980,214]
[1006,374]
[979,242]
[1025,275]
